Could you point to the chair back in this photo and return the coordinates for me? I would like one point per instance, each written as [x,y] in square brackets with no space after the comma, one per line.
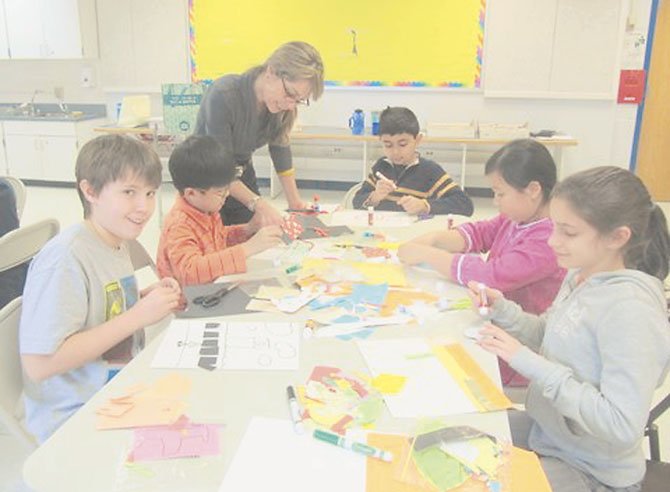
[20,193]
[139,256]
[11,376]
[20,245]
[348,200]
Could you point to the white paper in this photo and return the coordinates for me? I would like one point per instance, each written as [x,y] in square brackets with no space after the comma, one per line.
[272,457]
[337,329]
[359,218]
[241,345]
[430,390]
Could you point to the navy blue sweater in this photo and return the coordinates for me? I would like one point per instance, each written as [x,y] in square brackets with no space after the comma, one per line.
[426,180]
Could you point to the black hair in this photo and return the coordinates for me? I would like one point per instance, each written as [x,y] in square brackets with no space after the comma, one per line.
[394,121]
[608,197]
[522,161]
[201,162]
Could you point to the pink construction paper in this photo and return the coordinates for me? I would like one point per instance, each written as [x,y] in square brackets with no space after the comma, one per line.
[179,440]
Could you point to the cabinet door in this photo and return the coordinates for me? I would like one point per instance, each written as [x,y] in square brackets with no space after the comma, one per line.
[24,156]
[4,43]
[24,28]
[62,37]
[43,28]
[59,155]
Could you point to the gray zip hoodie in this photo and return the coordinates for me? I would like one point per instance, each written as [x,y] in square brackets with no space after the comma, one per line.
[594,360]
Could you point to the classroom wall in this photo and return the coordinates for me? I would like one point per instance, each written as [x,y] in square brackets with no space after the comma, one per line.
[143,44]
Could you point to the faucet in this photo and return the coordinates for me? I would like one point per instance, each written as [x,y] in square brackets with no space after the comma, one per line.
[59,92]
[29,107]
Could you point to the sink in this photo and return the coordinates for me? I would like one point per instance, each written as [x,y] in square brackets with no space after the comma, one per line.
[16,113]
[71,115]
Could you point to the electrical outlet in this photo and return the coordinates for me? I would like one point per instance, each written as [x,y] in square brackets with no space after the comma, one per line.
[86,77]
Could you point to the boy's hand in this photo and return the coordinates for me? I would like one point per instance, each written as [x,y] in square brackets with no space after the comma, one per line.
[157,304]
[496,340]
[413,253]
[413,205]
[266,237]
[383,188]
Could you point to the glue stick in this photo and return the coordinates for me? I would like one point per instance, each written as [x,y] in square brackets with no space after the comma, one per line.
[483,300]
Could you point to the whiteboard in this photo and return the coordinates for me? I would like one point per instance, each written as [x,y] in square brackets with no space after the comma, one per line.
[553,48]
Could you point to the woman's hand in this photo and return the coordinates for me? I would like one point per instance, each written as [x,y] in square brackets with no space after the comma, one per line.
[267,214]
[497,341]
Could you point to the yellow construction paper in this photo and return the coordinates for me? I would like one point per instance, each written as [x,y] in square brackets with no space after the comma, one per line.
[387,245]
[474,382]
[372,273]
[389,384]
[527,474]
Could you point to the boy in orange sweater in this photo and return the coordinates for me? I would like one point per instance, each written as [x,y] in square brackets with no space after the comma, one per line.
[195,246]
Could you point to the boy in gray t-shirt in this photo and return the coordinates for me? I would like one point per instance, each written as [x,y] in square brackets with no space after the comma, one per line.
[82,313]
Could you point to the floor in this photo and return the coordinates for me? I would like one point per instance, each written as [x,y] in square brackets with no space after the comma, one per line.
[63,203]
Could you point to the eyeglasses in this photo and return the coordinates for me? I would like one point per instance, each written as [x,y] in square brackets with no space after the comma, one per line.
[219,193]
[214,299]
[292,96]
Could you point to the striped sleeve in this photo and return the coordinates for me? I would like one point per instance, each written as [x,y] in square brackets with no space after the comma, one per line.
[446,197]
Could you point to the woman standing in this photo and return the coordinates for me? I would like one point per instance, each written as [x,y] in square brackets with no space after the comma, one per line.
[259,107]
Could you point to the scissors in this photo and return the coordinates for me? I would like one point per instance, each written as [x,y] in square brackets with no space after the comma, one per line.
[214,299]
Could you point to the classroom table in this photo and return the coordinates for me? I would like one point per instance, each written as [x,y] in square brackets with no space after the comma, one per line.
[80,458]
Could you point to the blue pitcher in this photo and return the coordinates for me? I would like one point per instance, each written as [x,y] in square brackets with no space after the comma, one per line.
[357,122]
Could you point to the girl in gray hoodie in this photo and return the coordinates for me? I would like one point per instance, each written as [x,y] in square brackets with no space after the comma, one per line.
[596,356]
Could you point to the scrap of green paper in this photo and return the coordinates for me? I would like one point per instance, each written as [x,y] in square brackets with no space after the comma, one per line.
[370,409]
[424,355]
[439,468]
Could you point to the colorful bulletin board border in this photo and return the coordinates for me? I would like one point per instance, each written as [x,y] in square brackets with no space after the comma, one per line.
[374,43]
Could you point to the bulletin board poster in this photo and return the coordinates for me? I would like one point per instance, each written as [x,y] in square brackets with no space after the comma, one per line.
[423,43]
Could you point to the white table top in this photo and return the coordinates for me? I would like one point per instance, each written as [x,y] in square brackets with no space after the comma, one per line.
[80,458]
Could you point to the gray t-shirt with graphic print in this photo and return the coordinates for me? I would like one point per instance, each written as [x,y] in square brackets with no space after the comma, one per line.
[75,283]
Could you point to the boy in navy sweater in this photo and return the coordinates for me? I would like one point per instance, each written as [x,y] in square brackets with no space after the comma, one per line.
[405,181]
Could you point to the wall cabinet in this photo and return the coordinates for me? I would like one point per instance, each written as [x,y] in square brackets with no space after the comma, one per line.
[45,151]
[56,29]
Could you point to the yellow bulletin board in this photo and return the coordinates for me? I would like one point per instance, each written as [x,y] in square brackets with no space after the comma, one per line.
[420,43]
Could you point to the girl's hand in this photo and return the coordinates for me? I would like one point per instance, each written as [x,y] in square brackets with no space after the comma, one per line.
[412,253]
[497,341]
[492,295]
[413,205]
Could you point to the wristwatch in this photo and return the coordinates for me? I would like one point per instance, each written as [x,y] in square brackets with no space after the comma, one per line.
[251,205]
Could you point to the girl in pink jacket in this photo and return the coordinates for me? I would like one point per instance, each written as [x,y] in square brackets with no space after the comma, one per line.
[519,263]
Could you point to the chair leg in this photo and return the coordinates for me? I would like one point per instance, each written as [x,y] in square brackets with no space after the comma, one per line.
[654,446]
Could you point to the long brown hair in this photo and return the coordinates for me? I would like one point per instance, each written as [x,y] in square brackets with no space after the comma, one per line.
[608,197]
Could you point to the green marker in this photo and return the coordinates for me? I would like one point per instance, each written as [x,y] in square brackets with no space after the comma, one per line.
[293,268]
[352,445]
